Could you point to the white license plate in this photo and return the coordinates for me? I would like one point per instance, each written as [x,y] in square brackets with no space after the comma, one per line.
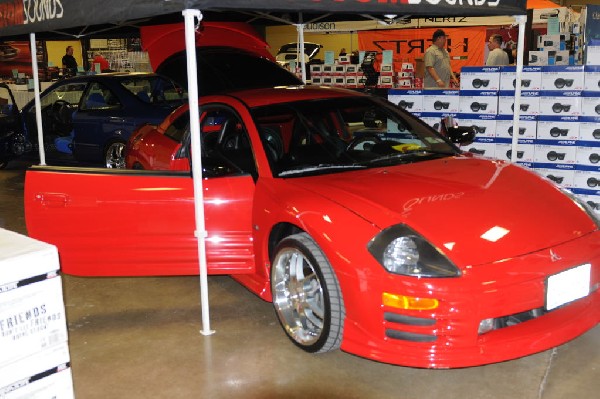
[568,286]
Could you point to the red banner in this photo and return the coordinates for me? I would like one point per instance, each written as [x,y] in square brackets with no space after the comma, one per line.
[466,45]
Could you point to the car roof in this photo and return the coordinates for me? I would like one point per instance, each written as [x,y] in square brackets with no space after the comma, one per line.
[111,76]
[284,94]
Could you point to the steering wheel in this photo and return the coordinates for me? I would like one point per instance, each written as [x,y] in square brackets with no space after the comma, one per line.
[366,139]
[61,112]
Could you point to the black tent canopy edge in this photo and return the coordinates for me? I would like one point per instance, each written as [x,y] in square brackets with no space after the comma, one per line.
[18,17]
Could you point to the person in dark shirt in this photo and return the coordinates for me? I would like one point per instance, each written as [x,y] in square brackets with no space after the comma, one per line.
[68,62]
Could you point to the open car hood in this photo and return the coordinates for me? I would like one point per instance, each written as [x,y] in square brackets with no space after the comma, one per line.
[230,56]
[454,202]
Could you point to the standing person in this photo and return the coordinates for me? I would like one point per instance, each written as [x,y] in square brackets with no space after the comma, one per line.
[99,59]
[69,63]
[497,56]
[438,71]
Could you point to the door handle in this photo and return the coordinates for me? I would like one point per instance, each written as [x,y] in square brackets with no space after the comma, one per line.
[116,119]
[53,200]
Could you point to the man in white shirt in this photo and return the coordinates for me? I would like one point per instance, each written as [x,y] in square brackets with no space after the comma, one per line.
[497,55]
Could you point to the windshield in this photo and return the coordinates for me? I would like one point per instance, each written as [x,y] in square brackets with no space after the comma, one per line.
[331,135]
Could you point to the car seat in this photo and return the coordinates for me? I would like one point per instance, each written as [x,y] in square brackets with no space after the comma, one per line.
[95,100]
[64,144]
[142,95]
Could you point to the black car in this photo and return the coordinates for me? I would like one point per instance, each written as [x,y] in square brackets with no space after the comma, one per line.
[12,141]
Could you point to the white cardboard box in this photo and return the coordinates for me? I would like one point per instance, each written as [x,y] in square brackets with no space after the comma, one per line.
[560,77]
[592,55]
[478,102]
[558,127]
[561,177]
[32,317]
[443,101]
[590,103]
[530,102]
[552,42]
[432,119]
[538,58]
[527,127]
[483,124]
[480,78]
[560,103]
[531,78]
[589,156]
[593,201]
[410,100]
[481,148]
[386,70]
[32,312]
[558,57]
[591,78]
[525,152]
[555,154]
[45,375]
[589,129]
[587,180]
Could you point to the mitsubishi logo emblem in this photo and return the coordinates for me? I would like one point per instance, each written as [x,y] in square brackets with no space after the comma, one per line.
[554,257]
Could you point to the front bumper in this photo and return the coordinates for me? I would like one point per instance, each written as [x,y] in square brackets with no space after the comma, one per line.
[448,336]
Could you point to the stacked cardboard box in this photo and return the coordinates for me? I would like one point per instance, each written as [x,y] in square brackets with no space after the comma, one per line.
[34,360]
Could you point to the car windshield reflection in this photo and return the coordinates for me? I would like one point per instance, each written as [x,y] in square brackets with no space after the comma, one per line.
[332,135]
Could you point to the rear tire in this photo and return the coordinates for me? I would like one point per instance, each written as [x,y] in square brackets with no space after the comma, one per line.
[307,295]
[114,155]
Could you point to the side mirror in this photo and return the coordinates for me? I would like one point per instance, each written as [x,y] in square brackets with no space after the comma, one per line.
[461,134]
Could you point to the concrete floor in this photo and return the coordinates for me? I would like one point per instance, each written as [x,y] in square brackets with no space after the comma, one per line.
[139,338]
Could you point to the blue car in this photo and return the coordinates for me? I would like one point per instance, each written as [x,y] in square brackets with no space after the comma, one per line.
[87,119]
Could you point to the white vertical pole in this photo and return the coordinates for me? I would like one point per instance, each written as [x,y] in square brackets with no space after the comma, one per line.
[189,16]
[300,28]
[36,93]
[520,20]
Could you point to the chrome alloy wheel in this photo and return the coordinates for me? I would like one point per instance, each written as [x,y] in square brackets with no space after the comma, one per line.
[115,155]
[306,295]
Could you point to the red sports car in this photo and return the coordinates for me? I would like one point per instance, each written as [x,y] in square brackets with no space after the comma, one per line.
[366,229]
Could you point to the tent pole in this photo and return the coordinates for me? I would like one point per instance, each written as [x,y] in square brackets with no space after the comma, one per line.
[300,28]
[189,16]
[36,91]
[520,20]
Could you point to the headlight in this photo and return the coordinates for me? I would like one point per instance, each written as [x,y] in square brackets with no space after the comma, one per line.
[401,250]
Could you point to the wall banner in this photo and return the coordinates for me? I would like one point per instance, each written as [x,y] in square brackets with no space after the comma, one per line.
[465,45]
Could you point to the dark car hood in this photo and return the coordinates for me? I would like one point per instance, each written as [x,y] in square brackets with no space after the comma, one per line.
[454,201]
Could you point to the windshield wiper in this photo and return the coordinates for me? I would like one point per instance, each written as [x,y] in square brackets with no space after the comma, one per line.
[408,154]
[319,168]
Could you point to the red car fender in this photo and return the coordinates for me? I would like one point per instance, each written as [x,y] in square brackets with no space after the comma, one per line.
[336,230]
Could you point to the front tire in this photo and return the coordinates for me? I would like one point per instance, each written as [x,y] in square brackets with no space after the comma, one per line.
[307,295]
